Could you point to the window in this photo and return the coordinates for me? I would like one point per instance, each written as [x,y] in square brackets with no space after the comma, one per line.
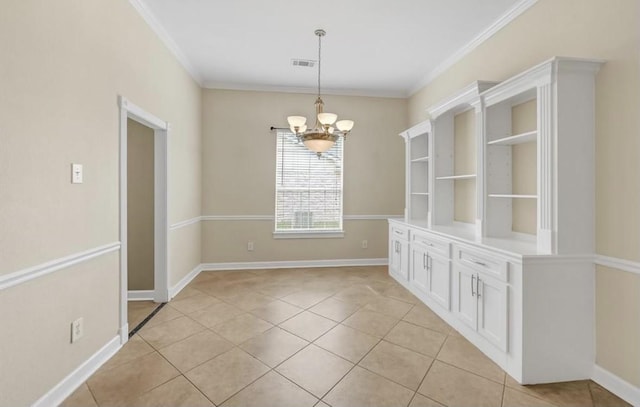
[308,189]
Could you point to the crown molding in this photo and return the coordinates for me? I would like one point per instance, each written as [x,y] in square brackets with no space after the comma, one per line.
[487,33]
[164,36]
[400,94]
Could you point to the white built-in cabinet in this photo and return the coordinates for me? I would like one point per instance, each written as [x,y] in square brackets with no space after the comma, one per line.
[498,233]
[399,252]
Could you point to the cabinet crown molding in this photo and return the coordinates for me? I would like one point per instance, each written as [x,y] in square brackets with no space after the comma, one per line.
[460,101]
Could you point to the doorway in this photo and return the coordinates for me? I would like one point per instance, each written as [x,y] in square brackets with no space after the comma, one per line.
[143,213]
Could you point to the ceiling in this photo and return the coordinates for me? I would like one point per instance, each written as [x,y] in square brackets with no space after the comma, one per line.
[372,47]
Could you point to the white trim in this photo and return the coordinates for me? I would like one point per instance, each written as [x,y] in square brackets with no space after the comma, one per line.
[371,217]
[184,223]
[487,33]
[164,36]
[123,333]
[236,217]
[293,264]
[173,291]
[206,218]
[616,385]
[161,131]
[22,276]
[617,263]
[69,384]
[311,234]
[399,94]
[419,129]
[140,295]
[460,101]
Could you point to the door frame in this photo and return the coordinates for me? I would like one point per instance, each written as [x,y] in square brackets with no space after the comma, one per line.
[161,128]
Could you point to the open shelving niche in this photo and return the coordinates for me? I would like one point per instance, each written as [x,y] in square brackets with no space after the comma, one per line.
[457,133]
[512,167]
[417,146]
[540,131]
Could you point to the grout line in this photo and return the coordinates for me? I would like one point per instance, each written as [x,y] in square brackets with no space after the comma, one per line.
[469,371]
[296,384]
[86,383]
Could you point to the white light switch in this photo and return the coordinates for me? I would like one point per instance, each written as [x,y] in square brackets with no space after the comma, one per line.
[76,173]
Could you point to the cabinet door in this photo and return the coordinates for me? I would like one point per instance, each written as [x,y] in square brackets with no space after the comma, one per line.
[466,306]
[439,279]
[403,261]
[419,275]
[398,258]
[492,310]
[394,257]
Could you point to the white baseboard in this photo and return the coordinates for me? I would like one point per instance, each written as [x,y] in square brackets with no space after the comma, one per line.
[293,264]
[621,388]
[140,295]
[69,384]
[123,334]
[173,291]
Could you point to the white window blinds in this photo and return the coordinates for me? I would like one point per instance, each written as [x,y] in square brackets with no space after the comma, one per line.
[308,188]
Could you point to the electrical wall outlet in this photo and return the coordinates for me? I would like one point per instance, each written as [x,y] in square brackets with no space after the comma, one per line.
[365,244]
[77,329]
[250,245]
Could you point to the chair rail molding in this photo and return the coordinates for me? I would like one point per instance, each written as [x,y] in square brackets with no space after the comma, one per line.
[28,274]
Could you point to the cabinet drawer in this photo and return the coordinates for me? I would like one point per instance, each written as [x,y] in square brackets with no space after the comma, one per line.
[433,244]
[482,261]
[399,233]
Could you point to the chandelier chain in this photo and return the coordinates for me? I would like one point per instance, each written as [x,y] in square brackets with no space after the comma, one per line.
[319,61]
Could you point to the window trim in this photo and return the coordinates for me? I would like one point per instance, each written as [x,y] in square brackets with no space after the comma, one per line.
[310,233]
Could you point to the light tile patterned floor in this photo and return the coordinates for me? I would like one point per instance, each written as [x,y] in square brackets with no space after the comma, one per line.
[346,336]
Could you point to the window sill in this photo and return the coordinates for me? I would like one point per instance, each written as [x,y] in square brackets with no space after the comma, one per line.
[313,234]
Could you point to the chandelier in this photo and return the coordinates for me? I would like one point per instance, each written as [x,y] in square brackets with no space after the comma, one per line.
[323,135]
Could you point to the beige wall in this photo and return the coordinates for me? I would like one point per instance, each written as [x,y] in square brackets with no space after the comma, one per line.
[464,162]
[524,171]
[239,171]
[64,64]
[594,29]
[140,206]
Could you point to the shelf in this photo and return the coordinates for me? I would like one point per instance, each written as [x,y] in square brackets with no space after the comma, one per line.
[454,177]
[513,196]
[517,139]
[420,193]
[420,160]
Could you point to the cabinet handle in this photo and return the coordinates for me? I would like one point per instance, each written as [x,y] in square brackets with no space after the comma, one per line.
[479,263]
[478,286]
[424,261]
[429,262]
[473,282]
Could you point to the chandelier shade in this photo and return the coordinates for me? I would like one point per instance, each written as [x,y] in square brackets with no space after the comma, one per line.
[323,135]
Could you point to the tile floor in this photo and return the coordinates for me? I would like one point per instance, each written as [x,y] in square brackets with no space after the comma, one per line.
[137,311]
[346,336]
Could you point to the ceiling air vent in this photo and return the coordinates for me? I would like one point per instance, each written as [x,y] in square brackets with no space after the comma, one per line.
[307,63]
